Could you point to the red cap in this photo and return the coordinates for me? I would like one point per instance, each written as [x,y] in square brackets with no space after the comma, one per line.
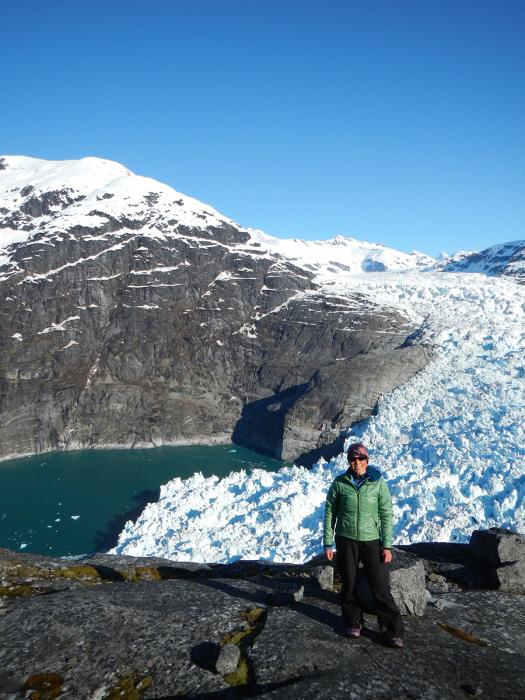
[357,448]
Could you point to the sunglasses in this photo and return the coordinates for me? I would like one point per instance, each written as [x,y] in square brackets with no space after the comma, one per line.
[359,457]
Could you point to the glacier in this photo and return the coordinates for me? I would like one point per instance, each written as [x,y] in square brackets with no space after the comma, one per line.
[450,442]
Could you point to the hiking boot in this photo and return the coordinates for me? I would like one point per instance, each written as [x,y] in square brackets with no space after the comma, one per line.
[353,632]
[395,643]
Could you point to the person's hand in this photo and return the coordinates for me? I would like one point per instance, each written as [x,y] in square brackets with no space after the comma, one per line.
[329,553]
[387,556]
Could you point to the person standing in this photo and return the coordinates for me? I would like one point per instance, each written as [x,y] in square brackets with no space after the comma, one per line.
[359,509]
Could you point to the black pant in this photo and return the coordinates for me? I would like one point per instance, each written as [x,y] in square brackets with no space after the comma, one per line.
[349,553]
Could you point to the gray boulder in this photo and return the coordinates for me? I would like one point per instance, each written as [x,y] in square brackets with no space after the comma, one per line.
[323,576]
[228,659]
[511,577]
[497,546]
[407,582]
[504,553]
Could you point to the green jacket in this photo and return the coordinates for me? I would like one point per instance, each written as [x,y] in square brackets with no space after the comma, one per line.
[360,514]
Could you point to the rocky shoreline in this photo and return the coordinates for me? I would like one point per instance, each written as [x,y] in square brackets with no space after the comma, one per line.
[123,627]
[187,442]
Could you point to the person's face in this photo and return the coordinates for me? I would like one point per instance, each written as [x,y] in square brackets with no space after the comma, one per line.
[358,462]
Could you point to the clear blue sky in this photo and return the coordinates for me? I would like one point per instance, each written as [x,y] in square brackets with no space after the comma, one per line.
[396,121]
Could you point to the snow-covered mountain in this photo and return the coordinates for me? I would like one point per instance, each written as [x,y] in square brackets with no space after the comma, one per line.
[133,314]
[53,196]
[44,199]
[503,259]
[341,255]
[136,315]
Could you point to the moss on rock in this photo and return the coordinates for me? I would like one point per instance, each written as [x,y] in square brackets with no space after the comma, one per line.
[43,686]
[20,591]
[78,571]
[142,573]
[253,615]
[130,687]
[241,675]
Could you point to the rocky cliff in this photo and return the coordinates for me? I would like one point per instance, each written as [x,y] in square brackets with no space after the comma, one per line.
[119,627]
[134,315]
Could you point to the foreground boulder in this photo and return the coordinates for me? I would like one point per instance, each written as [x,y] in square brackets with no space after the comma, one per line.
[407,582]
[323,576]
[497,546]
[124,627]
[503,552]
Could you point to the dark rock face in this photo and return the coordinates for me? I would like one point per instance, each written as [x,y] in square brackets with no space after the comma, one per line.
[126,627]
[139,329]
[504,552]
[497,546]
[450,566]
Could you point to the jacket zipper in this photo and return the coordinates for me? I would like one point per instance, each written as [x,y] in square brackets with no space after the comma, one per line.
[357,524]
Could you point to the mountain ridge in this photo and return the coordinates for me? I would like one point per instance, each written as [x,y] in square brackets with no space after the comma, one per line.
[125,296]
[96,180]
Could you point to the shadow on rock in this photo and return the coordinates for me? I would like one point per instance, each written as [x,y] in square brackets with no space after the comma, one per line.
[324,617]
[107,573]
[108,538]
[205,655]
[327,452]
[234,693]
[261,425]
[258,597]
[270,588]
[226,694]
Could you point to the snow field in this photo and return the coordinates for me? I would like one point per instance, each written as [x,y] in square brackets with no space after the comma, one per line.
[243,515]
[451,441]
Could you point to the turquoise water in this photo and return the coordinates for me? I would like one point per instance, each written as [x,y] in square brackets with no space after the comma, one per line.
[66,503]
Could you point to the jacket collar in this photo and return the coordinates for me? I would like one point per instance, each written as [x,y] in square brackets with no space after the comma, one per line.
[372,474]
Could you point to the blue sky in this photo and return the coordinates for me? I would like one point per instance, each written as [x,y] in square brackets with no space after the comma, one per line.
[396,121]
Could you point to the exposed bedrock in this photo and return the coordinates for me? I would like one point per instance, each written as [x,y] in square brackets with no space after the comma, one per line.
[110,335]
[109,626]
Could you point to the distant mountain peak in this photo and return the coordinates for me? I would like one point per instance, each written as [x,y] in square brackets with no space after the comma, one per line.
[342,255]
[501,259]
[55,198]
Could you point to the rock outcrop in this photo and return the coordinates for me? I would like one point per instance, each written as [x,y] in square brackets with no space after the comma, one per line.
[503,552]
[109,626]
[135,316]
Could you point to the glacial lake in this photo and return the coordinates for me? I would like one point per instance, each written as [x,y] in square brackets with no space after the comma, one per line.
[71,503]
